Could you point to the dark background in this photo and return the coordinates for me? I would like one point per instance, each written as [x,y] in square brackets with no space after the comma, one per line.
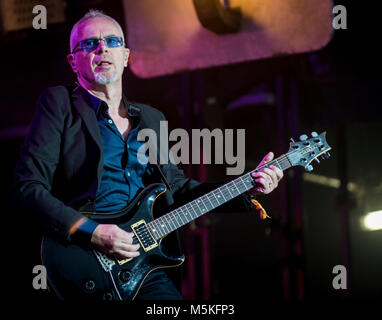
[314,227]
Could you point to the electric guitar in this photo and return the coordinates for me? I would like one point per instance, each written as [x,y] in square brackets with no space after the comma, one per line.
[77,272]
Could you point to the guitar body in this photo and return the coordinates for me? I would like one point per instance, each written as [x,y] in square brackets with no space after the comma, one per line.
[75,272]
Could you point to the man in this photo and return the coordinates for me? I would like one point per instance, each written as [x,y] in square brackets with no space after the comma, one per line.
[82,153]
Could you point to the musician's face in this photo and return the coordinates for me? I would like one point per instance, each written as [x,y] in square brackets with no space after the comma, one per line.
[101,64]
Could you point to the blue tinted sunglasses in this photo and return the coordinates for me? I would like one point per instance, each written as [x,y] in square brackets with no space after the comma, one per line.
[91,44]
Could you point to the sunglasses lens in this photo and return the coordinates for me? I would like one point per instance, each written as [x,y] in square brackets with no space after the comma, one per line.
[113,42]
[90,44]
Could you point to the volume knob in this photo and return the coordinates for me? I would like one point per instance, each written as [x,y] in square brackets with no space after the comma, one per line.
[89,285]
[107,296]
[124,275]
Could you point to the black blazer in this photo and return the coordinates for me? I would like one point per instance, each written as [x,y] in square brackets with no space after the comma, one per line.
[61,162]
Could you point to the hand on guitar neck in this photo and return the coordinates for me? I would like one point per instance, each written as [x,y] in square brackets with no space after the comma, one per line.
[267,178]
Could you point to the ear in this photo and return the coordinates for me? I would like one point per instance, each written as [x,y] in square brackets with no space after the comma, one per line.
[126,57]
[72,61]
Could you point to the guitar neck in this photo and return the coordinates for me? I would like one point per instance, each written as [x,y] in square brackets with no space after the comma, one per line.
[213,199]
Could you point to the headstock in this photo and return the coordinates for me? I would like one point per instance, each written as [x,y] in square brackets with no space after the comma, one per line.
[303,152]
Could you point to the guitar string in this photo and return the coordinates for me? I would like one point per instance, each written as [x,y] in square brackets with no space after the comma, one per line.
[175,215]
[238,183]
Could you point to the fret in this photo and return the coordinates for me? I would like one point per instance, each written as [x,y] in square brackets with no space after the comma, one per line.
[208,206]
[163,224]
[214,199]
[247,181]
[225,193]
[235,188]
[217,201]
[206,202]
[229,190]
[243,186]
[188,215]
[283,162]
[226,188]
[240,185]
[153,230]
[178,216]
[221,194]
[237,184]
[193,208]
[232,190]
[198,202]
[278,165]
[172,216]
[156,228]
[287,163]
[182,214]
[196,208]
[190,212]
[209,196]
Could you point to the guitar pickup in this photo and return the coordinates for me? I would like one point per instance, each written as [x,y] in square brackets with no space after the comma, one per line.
[144,236]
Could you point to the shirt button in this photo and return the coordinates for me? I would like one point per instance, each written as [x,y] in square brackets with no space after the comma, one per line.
[110,121]
[128,174]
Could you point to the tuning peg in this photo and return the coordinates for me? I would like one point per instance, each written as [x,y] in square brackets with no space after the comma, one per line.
[303,137]
[314,134]
[318,161]
[309,168]
[291,140]
[326,156]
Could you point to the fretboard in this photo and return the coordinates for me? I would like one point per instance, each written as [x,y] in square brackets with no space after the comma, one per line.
[213,199]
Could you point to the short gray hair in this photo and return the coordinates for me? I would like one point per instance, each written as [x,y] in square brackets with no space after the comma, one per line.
[91,14]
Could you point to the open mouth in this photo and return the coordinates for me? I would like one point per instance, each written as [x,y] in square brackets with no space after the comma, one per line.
[104,63]
[103,67]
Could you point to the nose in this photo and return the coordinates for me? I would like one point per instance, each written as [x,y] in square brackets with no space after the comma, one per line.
[102,47]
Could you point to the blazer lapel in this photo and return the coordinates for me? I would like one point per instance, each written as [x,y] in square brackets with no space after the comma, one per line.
[82,103]
[134,109]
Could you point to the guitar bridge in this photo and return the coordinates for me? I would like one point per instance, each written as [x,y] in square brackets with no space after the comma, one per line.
[106,263]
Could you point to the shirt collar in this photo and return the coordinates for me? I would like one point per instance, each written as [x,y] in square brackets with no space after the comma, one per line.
[100,105]
[96,103]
